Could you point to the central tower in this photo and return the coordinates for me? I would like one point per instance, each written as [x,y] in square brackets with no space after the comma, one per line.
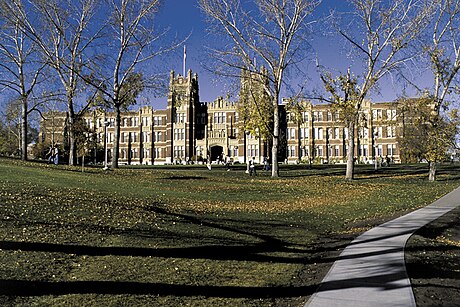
[183,107]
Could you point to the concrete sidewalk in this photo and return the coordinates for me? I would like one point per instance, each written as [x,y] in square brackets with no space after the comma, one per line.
[371,271]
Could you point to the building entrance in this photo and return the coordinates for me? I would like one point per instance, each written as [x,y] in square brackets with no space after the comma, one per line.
[216,153]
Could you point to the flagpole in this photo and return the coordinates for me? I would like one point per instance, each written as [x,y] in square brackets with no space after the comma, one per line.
[185,59]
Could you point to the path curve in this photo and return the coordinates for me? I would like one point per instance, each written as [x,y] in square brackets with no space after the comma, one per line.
[371,271]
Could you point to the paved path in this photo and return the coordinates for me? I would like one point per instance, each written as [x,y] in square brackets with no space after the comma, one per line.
[371,271]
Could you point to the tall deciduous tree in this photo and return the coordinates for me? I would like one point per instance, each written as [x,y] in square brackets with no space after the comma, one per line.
[381,32]
[20,67]
[272,32]
[64,43]
[444,55]
[132,37]
[61,30]
[57,29]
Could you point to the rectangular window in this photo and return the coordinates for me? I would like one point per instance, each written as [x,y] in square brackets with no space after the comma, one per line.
[157,121]
[320,116]
[291,151]
[291,134]
[337,150]
[391,131]
[318,133]
[303,133]
[305,152]
[305,117]
[319,151]
[391,149]
[330,133]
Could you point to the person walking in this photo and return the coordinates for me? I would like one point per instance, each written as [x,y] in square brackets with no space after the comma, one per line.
[56,156]
[252,167]
[50,155]
[266,164]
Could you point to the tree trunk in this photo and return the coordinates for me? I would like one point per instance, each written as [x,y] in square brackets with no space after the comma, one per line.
[116,140]
[432,171]
[24,129]
[351,151]
[71,131]
[276,130]
[72,147]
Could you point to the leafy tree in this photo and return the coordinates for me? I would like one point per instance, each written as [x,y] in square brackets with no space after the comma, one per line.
[255,106]
[425,134]
[11,130]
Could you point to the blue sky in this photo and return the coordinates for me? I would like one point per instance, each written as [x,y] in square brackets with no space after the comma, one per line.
[183,17]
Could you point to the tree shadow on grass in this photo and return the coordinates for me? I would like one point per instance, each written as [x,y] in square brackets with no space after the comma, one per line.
[38,288]
[385,281]
[267,248]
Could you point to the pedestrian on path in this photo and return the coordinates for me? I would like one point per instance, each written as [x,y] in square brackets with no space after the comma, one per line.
[56,156]
[252,167]
[50,155]
[266,164]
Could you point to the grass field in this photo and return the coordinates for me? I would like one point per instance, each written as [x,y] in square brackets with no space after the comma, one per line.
[188,236]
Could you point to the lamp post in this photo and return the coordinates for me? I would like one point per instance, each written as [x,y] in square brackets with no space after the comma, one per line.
[246,158]
[375,151]
[106,124]
[317,154]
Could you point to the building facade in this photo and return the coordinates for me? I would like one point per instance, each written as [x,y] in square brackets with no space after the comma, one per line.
[191,131]
[318,134]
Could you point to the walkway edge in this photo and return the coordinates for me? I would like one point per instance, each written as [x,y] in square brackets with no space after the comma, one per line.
[371,271]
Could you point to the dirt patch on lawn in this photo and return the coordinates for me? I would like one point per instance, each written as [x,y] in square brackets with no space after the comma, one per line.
[433,262]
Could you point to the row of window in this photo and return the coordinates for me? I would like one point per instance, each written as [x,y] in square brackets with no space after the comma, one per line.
[220,117]
[124,137]
[319,116]
[335,151]
[127,121]
[335,133]
[377,114]
[158,153]
[179,134]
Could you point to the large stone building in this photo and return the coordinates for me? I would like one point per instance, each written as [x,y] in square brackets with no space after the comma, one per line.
[191,131]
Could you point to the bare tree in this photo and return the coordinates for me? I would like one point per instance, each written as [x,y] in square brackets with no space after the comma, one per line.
[20,66]
[134,41]
[63,37]
[68,23]
[444,55]
[381,33]
[273,34]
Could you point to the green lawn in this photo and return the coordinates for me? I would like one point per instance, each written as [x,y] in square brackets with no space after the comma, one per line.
[188,236]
